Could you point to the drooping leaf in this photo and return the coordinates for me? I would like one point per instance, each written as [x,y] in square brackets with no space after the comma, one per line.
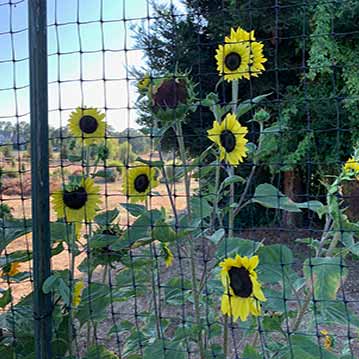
[232,246]
[325,275]
[134,209]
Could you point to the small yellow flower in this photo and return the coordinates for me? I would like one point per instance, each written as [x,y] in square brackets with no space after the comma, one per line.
[87,124]
[351,167]
[328,341]
[168,255]
[138,182]
[12,270]
[144,83]
[242,290]
[78,288]
[229,135]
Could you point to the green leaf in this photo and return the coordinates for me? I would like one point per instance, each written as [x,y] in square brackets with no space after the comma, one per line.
[217,236]
[163,232]
[150,163]
[134,209]
[94,301]
[251,353]
[106,217]
[156,350]
[247,105]
[200,207]
[275,263]
[325,275]
[301,347]
[232,246]
[102,240]
[139,230]
[100,352]
[338,313]
[5,298]
[270,197]
[50,284]
[177,291]
[231,180]
[11,230]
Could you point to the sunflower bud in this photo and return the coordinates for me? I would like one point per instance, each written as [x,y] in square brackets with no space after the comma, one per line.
[170,93]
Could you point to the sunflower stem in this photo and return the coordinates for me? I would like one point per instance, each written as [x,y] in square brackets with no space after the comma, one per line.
[225,335]
[187,180]
[153,284]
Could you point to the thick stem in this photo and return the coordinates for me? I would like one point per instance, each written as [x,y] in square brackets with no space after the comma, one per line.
[187,181]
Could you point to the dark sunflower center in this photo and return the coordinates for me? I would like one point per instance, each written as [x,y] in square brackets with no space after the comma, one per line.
[228,140]
[75,199]
[240,282]
[141,183]
[88,124]
[232,61]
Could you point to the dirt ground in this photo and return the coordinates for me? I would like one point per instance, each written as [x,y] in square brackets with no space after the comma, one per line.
[111,198]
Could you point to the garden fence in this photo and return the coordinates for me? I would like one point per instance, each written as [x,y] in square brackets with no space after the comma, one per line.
[179,179]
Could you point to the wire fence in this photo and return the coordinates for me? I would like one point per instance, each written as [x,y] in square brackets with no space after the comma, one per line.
[179,179]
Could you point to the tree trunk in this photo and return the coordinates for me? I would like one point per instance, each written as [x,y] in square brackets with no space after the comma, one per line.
[293,188]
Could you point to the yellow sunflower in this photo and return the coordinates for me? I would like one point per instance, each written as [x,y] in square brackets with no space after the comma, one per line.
[11,270]
[144,83]
[138,182]
[78,287]
[242,291]
[351,166]
[79,203]
[256,58]
[87,124]
[167,254]
[233,61]
[229,135]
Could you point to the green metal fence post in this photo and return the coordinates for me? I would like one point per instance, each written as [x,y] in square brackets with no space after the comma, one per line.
[41,241]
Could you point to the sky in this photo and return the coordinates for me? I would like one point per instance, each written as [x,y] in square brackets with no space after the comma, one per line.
[108,51]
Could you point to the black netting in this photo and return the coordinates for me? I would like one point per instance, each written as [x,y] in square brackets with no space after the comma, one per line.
[204,167]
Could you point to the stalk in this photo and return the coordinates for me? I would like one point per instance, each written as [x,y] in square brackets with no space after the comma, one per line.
[187,180]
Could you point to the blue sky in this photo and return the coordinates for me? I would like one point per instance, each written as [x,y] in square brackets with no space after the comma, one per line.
[68,38]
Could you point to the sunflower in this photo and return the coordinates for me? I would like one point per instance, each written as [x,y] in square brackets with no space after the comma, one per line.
[87,124]
[78,287]
[168,255]
[241,56]
[78,202]
[11,269]
[229,135]
[144,83]
[242,291]
[351,166]
[170,93]
[138,182]
[233,60]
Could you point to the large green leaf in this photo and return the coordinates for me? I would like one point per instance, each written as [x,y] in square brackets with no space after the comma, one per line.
[107,217]
[232,246]
[140,229]
[338,313]
[94,301]
[11,230]
[157,350]
[247,105]
[275,263]
[200,207]
[301,347]
[177,291]
[5,297]
[270,197]
[325,275]
[134,209]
